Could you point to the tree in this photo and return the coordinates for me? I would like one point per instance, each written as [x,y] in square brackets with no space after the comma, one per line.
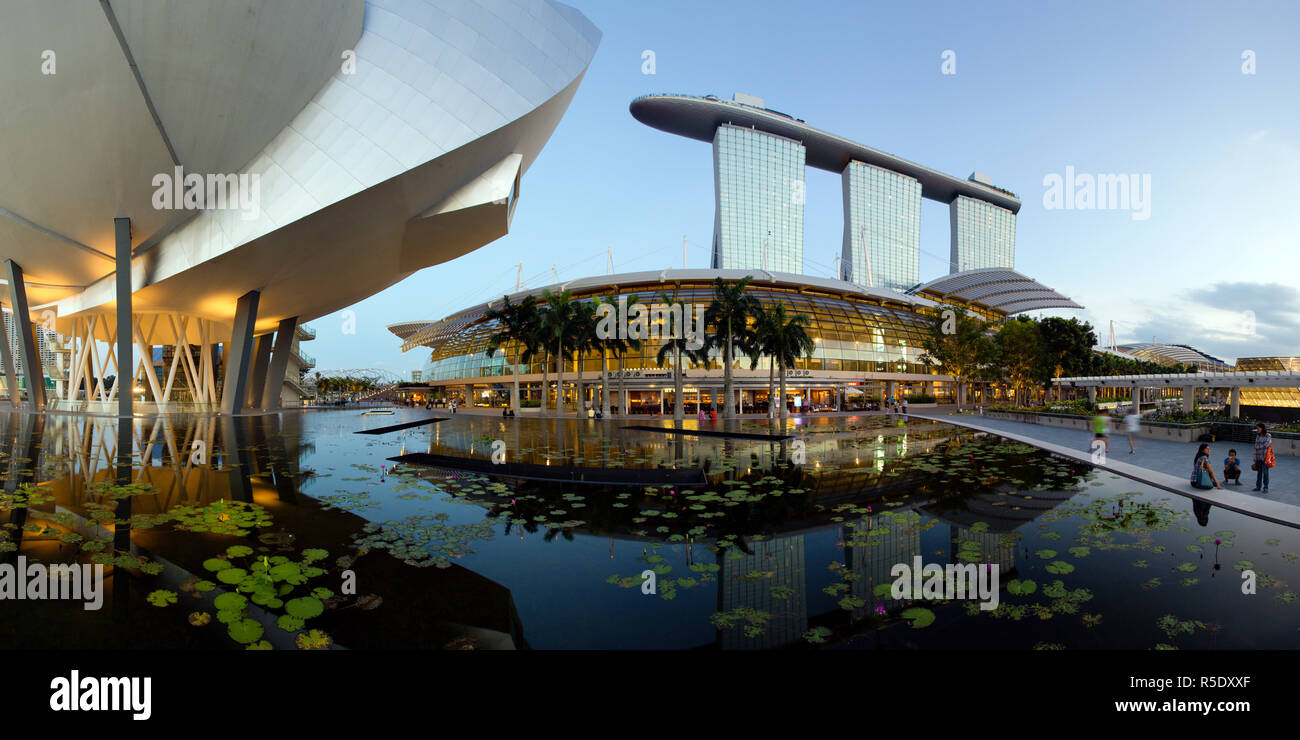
[764,344]
[1021,357]
[516,324]
[582,338]
[958,343]
[784,338]
[729,314]
[677,344]
[620,350]
[605,344]
[556,329]
[1068,344]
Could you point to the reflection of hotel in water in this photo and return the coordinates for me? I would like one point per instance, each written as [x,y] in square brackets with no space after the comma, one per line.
[783,557]
[872,563]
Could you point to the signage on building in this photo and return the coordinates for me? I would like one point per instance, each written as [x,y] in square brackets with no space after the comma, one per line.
[793,373]
[642,374]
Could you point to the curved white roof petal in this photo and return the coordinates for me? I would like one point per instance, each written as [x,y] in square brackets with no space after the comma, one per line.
[1004,290]
[362,175]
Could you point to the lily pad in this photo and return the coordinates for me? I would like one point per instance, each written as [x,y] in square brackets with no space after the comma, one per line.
[919,616]
[305,607]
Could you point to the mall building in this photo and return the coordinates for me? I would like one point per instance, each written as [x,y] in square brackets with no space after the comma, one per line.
[868,342]
[867,324]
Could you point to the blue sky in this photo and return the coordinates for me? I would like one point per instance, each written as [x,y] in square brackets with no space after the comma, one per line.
[1145,88]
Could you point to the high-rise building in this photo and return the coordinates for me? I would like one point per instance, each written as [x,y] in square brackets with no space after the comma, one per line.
[983,235]
[759,179]
[882,227]
[47,345]
[760,156]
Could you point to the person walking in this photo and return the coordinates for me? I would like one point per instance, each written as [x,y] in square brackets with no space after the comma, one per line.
[1264,458]
[1132,425]
[904,406]
[1099,431]
[1202,471]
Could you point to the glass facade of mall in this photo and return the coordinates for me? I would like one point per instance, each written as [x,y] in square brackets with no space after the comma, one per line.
[983,235]
[758,223]
[1288,398]
[852,335]
[882,227]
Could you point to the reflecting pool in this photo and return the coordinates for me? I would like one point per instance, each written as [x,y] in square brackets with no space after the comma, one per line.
[293,531]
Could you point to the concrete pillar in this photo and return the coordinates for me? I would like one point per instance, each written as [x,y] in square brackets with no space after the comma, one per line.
[125,366]
[891,387]
[1189,396]
[11,377]
[1235,407]
[257,371]
[1092,395]
[284,334]
[238,354]
[26,336]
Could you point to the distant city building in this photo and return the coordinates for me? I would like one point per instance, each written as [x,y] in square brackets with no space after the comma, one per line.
[882,227]
[47,345]
[1175,354]
[416,375]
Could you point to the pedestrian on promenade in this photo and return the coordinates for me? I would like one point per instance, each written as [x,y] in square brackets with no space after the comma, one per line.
[1099,431]
[905,406]
[1132,425]
[1264,458]
[1202,471]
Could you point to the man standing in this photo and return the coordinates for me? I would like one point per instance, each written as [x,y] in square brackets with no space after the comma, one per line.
[1263,457]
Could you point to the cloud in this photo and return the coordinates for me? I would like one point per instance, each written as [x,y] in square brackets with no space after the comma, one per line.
[1230,320]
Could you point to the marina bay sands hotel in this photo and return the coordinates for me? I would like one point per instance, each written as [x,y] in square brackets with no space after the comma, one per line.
[759,160]
[868,323]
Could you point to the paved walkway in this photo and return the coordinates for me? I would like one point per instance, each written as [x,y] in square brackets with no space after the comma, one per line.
[1165,465]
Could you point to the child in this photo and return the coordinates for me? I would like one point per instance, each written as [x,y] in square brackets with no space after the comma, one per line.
[1232,468]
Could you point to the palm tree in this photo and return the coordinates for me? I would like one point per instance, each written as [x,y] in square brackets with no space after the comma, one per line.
[677,344]
[537,344]
[729,314]
[515,323]
[790,341]
[557,329]
[582,338]
[605,345]
[621,348]
[764,344]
